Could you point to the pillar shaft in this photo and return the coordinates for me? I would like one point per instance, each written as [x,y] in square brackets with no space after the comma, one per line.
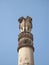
[25,56]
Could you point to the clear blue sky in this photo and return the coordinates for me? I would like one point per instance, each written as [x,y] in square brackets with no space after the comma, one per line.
[10,11]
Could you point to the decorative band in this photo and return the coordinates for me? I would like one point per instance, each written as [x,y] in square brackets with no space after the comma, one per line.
[26,35]
[25,46]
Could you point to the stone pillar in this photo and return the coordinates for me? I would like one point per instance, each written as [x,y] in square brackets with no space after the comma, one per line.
[25,42]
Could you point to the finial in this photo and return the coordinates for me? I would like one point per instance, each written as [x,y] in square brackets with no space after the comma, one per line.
[25,24]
